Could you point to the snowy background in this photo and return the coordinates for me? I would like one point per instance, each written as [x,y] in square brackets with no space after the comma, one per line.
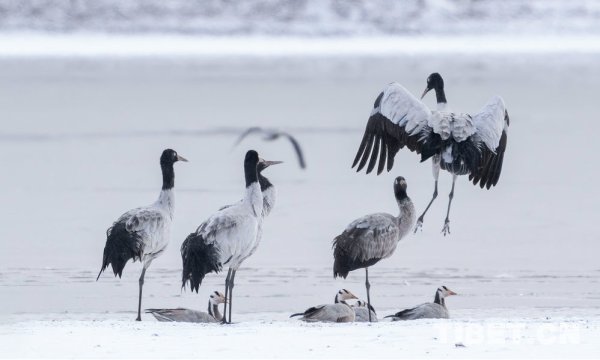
[92,91]
[303,17]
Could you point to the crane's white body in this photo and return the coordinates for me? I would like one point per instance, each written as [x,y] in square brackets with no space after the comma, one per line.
[403,109]
[153,224]
[234,229]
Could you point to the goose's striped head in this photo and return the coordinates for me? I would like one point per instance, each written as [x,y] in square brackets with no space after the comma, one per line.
[445,292]
[362,303]
[216,298]
[343,295]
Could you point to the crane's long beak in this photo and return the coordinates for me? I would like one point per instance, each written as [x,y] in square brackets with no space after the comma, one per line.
[181,158]
[450,292]
[427,89]
[269,163]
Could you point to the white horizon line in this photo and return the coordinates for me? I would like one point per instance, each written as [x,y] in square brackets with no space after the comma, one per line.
[29,44]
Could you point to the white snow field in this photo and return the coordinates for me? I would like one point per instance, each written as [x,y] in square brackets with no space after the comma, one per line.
[79,145]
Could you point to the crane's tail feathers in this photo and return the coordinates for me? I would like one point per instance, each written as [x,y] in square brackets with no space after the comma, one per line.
[121,246]
[198,260]
[344,262]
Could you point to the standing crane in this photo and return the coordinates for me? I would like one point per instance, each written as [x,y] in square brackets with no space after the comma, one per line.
[142,234]
[373,237]
[231,235]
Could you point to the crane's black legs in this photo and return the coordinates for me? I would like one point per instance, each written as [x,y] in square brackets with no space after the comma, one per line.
[226,296]
[446,229]
[368,286]
[231,293]
[141,282]
[436,174]
[420,220]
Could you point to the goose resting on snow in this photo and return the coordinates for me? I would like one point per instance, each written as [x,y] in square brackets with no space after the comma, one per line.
[340,311]
[193,316]
[361,312]
[435,310]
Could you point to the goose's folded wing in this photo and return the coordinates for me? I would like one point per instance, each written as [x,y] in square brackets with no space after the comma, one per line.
[491,136]
[396,121]
[313,312]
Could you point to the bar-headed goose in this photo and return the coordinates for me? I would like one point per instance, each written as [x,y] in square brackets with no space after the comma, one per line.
[361,311]
[340,311]
[193,316]
[435,310]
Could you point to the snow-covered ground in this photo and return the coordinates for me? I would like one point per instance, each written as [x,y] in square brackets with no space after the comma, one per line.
[79,144]
[271,335]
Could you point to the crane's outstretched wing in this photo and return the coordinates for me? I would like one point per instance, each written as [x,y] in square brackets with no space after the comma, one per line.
[273,134]
[249,131]
[395,122]
[297,148]
[492,125]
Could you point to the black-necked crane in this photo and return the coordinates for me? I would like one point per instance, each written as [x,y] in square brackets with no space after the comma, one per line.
[231,235]
[456,142]
[372,238]
[142,234]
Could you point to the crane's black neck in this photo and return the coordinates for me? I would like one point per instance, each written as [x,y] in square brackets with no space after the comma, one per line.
[400,193]
[168,175]
[264,182]
[440,95]
[439,299]
[250,172]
